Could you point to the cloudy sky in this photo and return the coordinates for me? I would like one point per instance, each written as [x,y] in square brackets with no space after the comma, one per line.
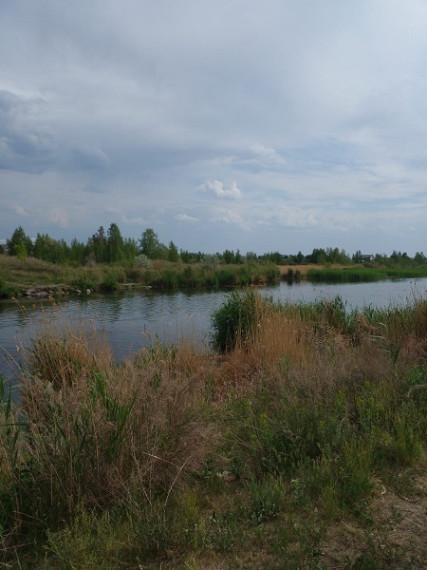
[273,125]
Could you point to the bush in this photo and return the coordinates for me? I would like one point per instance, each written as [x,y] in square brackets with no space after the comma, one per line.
[6,291]
[110,283]
[226,278]
[210,261]
[236,320]
[142,261]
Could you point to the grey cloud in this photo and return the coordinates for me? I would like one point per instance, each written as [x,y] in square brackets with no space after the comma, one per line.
[24,143]
[310,106]
[89,158]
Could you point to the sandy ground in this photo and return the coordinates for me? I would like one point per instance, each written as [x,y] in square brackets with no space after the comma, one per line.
[397,537]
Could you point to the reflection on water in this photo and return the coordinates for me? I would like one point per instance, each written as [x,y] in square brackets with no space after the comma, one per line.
[134,320]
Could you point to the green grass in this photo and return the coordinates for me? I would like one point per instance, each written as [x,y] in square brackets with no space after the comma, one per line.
[21,274]
[266,456]
[363,274]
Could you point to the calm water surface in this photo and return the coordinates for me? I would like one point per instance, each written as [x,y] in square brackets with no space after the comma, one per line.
[134,320]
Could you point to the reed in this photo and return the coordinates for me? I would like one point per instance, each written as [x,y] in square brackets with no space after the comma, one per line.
[364,274]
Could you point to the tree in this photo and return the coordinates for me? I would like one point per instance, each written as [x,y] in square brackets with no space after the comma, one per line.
[49,249]
[318,255]
[20,244]
[78,251]
[420,258]
[299,258]
[149,243]
[97,244]
[114,244]
[173,254]
[130,249]
[228,256]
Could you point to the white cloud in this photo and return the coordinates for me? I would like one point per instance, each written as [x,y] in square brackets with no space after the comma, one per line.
[267,157]
[186,218]
[217,188]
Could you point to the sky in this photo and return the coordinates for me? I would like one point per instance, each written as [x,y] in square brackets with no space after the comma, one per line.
[273,125]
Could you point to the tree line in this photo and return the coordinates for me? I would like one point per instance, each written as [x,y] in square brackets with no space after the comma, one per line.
[111,247]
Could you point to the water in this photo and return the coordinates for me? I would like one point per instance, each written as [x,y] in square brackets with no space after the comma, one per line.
[134,320]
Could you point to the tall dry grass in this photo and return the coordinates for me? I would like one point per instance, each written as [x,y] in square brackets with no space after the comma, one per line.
[93,434]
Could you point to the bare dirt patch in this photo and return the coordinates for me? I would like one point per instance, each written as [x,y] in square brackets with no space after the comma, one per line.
[396,538]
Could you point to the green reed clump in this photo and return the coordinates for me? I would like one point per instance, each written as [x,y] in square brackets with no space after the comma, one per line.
[347,275]
[363,274]
[167,279]
[236,320]
[272,274]
[190,278]
[7,291]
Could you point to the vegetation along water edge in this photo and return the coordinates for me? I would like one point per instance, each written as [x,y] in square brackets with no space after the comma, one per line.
[43,266]
[300,442]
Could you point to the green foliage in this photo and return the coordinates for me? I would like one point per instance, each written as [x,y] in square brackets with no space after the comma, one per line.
[151,246]
[265,498]
[114,245]
[173,254]
[85,280]
[226,278]
[168,279]
[272,274]
[363,274]
[20,244]
[7,291]
[344,275]
[48,249]
[110,283]
[235,321]
[190,278]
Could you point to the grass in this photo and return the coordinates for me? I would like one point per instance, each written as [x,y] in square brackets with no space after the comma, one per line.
[288,450]
[18,275]
[364,274]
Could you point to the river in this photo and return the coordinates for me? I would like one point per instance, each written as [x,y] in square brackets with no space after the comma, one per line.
[135,319]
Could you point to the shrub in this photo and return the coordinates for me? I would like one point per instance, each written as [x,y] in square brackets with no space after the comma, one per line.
[110,283]
[7,291]
[210,261]
[236,320]
[227,278]
[142,260]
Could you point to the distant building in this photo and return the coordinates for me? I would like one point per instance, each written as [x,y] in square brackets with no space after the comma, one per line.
[366,258]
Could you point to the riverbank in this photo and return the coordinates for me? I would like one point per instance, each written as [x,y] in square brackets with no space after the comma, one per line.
[302,445]
[34,278]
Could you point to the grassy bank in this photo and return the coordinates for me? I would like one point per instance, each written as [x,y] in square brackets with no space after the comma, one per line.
[17,276]
[300,444]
